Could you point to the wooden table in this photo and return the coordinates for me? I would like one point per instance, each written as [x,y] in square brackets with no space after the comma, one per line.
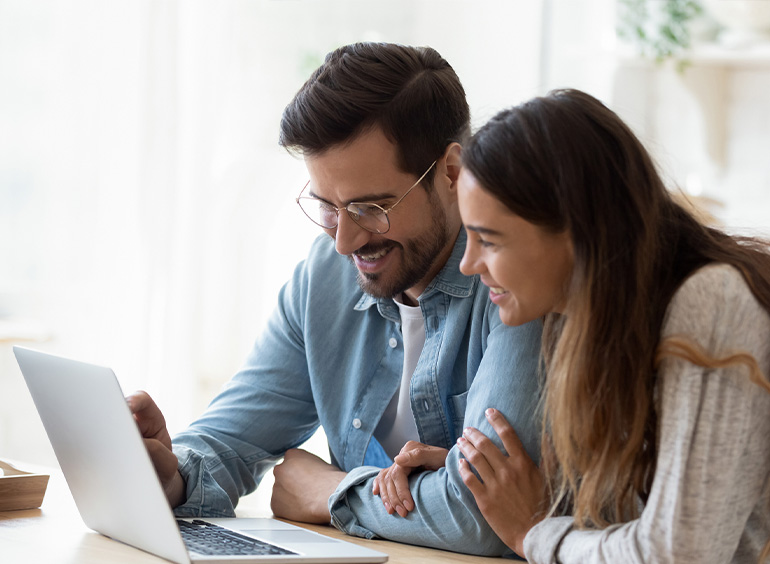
[55,534]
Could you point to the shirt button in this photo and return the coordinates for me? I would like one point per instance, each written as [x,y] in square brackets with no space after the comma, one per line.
[426,405]
[356,423]
[393,343]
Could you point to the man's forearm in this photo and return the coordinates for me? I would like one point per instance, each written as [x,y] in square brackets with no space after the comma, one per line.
[445,514]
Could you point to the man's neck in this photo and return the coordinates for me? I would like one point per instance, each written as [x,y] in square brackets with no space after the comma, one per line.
[410,296]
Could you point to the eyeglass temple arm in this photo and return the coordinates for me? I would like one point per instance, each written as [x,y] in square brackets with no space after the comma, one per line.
[385,211]
[301,191]
[424,174]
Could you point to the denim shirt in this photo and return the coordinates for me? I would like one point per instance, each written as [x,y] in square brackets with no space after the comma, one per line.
[332,356]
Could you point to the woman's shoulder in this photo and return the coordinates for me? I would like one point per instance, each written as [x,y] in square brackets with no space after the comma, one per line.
[715,305]
[718,279]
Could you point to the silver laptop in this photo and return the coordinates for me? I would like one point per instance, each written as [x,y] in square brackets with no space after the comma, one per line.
[113,481]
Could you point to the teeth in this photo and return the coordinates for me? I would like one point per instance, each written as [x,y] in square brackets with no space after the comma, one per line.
[497,290]
[375,256]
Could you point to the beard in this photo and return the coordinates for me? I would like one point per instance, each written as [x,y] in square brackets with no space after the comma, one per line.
[418,256]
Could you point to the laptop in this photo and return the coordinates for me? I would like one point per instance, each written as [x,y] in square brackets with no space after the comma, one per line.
[113,481]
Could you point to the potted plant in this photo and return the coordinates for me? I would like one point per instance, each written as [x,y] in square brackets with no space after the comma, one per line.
[659,29]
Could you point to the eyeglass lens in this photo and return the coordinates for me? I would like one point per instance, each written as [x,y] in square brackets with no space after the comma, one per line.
[368,216]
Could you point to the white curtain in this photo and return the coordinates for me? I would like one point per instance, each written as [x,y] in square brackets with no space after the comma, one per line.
[147,217]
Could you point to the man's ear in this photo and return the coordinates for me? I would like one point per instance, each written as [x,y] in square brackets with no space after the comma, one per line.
[451,163]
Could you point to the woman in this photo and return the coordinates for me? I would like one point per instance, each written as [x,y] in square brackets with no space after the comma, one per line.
[656,411]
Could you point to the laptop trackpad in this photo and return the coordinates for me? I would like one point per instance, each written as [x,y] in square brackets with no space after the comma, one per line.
[287,537]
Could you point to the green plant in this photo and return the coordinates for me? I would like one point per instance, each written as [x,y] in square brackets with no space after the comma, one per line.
[660,29]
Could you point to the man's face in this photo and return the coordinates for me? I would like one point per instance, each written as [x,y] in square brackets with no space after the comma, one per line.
[420,239]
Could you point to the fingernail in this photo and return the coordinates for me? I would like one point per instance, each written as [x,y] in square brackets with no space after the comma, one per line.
[489,412]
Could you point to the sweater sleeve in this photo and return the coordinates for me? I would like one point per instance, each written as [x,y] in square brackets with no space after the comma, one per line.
[710,498]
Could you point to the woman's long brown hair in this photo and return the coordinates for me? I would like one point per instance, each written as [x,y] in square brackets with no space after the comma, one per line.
[567,163]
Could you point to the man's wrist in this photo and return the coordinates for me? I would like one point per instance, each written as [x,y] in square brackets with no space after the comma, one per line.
[322,511]
[176,490]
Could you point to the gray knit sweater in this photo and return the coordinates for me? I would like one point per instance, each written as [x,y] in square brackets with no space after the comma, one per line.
[710,498]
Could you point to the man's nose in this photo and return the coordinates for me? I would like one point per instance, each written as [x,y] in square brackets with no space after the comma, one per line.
[349,236]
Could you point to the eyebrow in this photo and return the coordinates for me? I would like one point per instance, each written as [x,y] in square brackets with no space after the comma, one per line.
[482,230]
[365,199]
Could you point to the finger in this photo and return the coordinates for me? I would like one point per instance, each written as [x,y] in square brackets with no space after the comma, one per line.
[393,492]
[137,400]
[405,459]
[414,458]
[412,445]
[411,454]
[511,441]
[469,478]
[379,479]
[476,458]
[148,417]
[485,446]
[384,493]
[140,402]
[403,495]
[428,457]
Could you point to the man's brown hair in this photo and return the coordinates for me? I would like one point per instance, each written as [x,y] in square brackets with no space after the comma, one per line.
[411,93]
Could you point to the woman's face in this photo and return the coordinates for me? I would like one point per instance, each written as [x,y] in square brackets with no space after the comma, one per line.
[526,267]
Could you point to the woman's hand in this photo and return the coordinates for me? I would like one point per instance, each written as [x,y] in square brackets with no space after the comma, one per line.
[511,492]
[392,484]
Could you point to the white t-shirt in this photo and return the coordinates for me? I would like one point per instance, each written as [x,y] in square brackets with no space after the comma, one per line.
[397,425]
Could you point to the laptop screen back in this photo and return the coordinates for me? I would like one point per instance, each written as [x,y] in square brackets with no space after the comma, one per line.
[101,452]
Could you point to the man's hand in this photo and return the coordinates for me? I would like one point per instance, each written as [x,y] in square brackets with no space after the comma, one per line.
[303,485]
[392,484]
[157,441]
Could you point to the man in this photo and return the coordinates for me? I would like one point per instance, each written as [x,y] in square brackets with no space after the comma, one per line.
[377,337]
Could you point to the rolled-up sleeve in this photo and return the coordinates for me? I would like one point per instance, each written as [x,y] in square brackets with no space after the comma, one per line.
[445,514]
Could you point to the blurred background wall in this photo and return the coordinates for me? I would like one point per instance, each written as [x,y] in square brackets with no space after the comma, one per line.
[147,215]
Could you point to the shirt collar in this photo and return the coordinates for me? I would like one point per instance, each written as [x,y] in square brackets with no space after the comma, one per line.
[449,279]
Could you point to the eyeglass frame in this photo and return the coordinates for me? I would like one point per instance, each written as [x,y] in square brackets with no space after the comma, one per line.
[337,210]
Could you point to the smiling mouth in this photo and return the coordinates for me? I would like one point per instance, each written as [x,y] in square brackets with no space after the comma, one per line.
[497,290]
[371,257]
[369,261]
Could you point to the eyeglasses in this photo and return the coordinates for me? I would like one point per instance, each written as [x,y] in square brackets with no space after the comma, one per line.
[370,216]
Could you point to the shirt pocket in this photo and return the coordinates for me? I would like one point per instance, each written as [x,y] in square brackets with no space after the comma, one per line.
[457,405]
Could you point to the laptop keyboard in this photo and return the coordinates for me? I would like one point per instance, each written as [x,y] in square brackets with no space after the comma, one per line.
[212,540]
